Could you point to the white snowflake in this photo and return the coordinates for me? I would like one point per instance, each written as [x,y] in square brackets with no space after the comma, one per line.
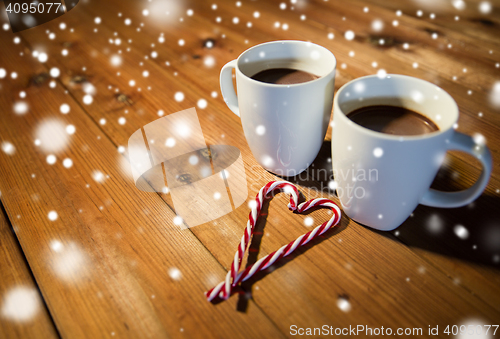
[69,262]
[170,142]
[260,130]
[98,176]
[461,232]
[202,103]
[68,163]
[56,246]
[52,135]
[308,221]
[267,160]
[87,99]
[51,159]
[479,139]
[193,160]
[378,152]
[209,61]
[42,57]
[116,60]
[343,304]
[70,129]
[434,224]
[381,73]
[377,25]
[485,7]
[495,95]
[178,220]
[174,272]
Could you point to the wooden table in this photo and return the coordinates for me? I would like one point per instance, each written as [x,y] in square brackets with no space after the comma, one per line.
[111,262]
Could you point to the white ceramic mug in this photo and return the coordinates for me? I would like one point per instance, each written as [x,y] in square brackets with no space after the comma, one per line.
[381,178]
[284,124]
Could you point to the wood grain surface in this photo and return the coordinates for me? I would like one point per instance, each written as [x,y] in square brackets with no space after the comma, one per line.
[110,261]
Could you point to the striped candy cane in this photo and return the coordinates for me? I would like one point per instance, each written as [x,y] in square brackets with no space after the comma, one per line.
[233,278]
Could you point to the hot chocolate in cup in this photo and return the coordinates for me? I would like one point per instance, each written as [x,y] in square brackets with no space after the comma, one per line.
[381,177]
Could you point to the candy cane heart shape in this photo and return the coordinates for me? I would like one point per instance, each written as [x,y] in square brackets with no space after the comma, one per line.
[234,277]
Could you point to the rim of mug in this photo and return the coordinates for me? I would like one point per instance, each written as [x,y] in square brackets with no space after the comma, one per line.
[334,66]
[392,136]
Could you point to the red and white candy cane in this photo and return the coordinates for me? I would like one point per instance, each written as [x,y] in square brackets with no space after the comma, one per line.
[233,278]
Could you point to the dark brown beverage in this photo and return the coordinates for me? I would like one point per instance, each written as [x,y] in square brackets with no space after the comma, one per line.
[393,120]
[284,76]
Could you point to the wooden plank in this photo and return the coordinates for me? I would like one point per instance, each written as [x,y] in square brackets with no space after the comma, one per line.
[112,262]
[315,310]
[23,313]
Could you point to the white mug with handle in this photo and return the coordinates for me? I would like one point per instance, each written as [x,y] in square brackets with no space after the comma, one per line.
[380,177]
[284,124]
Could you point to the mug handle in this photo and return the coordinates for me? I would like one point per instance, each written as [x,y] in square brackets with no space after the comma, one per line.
[462,142]
[227,88]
